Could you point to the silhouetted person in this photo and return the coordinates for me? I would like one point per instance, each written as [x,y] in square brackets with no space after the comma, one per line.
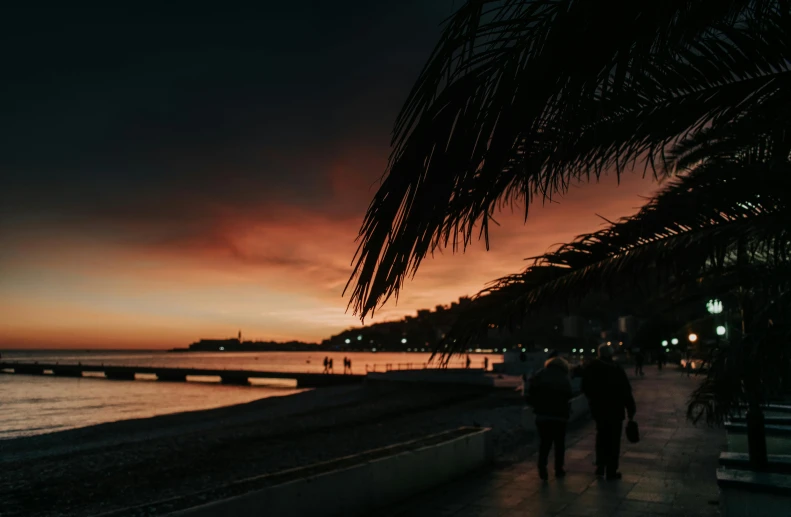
[469,361]
[330,365]
[639,359]
[549,392]
[609,393]
[349,360]
[326,364]
[485,363]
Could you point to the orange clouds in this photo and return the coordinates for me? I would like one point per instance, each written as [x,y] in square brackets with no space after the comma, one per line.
[277,274]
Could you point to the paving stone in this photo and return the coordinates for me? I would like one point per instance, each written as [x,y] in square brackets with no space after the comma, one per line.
[671,472]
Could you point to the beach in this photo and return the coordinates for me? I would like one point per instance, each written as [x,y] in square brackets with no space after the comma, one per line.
[133,463]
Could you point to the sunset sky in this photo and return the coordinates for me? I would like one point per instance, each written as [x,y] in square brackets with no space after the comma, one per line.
[175,175]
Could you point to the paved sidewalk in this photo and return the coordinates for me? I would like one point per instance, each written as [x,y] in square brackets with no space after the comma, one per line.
[671,472]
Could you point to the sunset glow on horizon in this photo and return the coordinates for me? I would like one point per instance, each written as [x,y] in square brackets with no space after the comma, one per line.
[192,184]
[275,279]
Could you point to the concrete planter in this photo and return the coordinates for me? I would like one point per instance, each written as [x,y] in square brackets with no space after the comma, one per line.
[778,438]
[360,488]
[579,411]
[745,493]
[778,463]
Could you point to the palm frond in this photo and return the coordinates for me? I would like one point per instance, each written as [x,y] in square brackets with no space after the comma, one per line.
[726,220]
[507,109]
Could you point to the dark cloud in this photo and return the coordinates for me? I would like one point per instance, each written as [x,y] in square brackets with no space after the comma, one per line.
[118,114]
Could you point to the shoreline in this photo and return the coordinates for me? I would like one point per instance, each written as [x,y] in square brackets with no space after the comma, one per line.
[137,429]
[107,466]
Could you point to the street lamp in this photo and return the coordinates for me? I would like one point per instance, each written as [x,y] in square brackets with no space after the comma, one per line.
[693,337]
[714,306]
[674,341]
[664,342]
[403,340]
[720,330]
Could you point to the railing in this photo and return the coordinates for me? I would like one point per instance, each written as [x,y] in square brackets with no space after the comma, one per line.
[389,367]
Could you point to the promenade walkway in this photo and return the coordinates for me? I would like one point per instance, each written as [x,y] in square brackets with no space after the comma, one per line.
[671,472]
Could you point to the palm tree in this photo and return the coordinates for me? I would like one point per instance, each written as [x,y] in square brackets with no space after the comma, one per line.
[721,227]
[508,107]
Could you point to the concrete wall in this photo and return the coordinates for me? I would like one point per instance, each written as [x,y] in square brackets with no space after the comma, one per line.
[737,442]
[745,493]
[362,488]
[579,411]
[743,503]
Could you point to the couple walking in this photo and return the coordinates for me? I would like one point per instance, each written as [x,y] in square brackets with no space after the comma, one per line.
[609,395]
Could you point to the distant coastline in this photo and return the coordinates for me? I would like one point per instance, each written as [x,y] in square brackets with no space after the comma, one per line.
[237,345]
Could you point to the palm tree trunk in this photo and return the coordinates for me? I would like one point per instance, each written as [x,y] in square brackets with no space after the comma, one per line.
[756,431]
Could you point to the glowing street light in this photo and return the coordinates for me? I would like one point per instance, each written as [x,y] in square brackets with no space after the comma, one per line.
[546,350]
[403,340]
[714,306]
[692,337]
[359,338]
[348,341]
[664,342]
[674,341]
[720,330]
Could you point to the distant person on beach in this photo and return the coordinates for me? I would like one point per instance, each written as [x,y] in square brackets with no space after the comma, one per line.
[549,392]
[329,364]
[469,361]
[326,364]
[485,364]
[350,365]
[639,359]
[609,393]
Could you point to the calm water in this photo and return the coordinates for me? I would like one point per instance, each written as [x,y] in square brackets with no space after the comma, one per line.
[42,404]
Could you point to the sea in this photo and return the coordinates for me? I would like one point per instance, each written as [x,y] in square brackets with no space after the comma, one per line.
[39,404]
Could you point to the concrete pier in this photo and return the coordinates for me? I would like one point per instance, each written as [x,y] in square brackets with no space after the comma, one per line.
[235,377]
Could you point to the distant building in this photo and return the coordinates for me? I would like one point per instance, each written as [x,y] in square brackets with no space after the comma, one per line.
[573,326]
[627,328]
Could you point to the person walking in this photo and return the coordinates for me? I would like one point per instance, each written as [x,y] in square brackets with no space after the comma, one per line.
[485,364]
[639,359]
[609,393]
[469,361]
[549,393]
[326,364]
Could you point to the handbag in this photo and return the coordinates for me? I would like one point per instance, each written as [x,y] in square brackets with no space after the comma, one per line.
[632,432]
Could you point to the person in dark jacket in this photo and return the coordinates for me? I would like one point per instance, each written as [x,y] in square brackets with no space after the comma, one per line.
[609,394]
[549,393]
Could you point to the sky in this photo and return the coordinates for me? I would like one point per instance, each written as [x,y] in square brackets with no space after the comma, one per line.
[171,175]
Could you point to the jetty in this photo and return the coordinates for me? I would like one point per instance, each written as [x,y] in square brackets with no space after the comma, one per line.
[128,373]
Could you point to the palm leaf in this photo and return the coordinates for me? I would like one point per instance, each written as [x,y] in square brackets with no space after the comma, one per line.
[726,223]
[506,109]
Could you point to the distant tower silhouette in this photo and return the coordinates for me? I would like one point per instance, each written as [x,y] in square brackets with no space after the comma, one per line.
[240,336]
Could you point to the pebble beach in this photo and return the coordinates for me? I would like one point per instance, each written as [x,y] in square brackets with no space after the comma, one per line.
[124,466]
